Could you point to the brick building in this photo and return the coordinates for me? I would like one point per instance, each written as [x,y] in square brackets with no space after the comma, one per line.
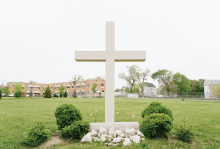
[80,86]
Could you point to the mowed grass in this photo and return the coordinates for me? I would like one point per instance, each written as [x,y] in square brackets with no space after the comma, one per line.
[17,114]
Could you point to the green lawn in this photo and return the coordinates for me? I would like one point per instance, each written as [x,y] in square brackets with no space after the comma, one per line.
[16,115]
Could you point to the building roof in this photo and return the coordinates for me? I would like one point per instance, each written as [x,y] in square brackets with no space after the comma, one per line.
[150,85]
[210,82]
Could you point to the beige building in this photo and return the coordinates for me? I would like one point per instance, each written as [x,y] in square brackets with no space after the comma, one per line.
[80,87]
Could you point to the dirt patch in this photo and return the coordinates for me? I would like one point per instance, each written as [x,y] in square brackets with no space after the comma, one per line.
[52,141]
[172,138]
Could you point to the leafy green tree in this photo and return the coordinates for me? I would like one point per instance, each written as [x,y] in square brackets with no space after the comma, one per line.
[165,78]
[131,78]
[32,81]
[47,93]
[215,89]
[94,89]
[18,90]
[192,84]
[77,78]
[74,94]
[7,93]
[61,89]
[200,85]
[181,82]
[142,78]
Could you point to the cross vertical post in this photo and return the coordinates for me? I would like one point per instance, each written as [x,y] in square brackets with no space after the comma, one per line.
[110,72]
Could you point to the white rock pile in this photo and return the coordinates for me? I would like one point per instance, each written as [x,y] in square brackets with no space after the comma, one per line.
[114,137]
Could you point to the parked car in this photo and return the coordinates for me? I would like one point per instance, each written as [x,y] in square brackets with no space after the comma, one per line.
[11,95]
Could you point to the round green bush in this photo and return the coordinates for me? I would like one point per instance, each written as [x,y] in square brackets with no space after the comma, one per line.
[76,130]
[66,114]
[156,107]
[37,134]
[156,125]
[18,94]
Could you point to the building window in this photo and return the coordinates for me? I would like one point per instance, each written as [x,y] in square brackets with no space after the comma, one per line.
[72,86]
[37,87]
[82,85]
[102,85]
[30,87]
[87,85]
[103,91]
[51,87]
[67,86]
[55,87]
[77,85]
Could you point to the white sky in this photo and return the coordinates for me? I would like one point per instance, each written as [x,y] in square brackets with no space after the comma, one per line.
[38,38]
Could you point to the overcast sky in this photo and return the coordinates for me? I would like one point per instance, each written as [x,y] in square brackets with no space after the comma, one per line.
[38,38]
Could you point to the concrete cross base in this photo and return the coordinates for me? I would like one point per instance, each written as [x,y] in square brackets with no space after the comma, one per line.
[115,125]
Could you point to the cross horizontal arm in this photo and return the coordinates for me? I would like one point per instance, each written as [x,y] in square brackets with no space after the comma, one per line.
[118,56]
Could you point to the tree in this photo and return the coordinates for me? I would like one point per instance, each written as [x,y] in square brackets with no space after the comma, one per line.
[77,78]
[0,94]
[142,78]
[7,93]
[65,94]
[94,89]
[32,81]
[31,93]
[181,82]
[42,88]
[192,84]
[215,90]
[165,78]
[132,76]
[18,90]
[74,94]
[61,89]
[200,85]
[47,93]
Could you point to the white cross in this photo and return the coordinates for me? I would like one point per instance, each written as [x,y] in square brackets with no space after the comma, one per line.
[110,56]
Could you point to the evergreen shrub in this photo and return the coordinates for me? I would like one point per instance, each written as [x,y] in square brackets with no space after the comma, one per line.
[55,95]
[186,134]
[76,130]
[60,95]
[74,94]
[37,134]
[18,94]
[0,94]
[65,94]
[47,93]
[156,125]
[156,107]
[66,114]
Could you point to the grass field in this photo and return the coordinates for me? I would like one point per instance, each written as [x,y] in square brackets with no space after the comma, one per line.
[17,114]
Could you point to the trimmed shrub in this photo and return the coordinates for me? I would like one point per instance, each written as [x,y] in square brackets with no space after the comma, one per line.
[0,94]
[37,134]
[156,125]
[18,94]
[47,93]
[55,95]
[60,95]
[65,94]
[156,107]
[186,134]
[66,114]
[76,130]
